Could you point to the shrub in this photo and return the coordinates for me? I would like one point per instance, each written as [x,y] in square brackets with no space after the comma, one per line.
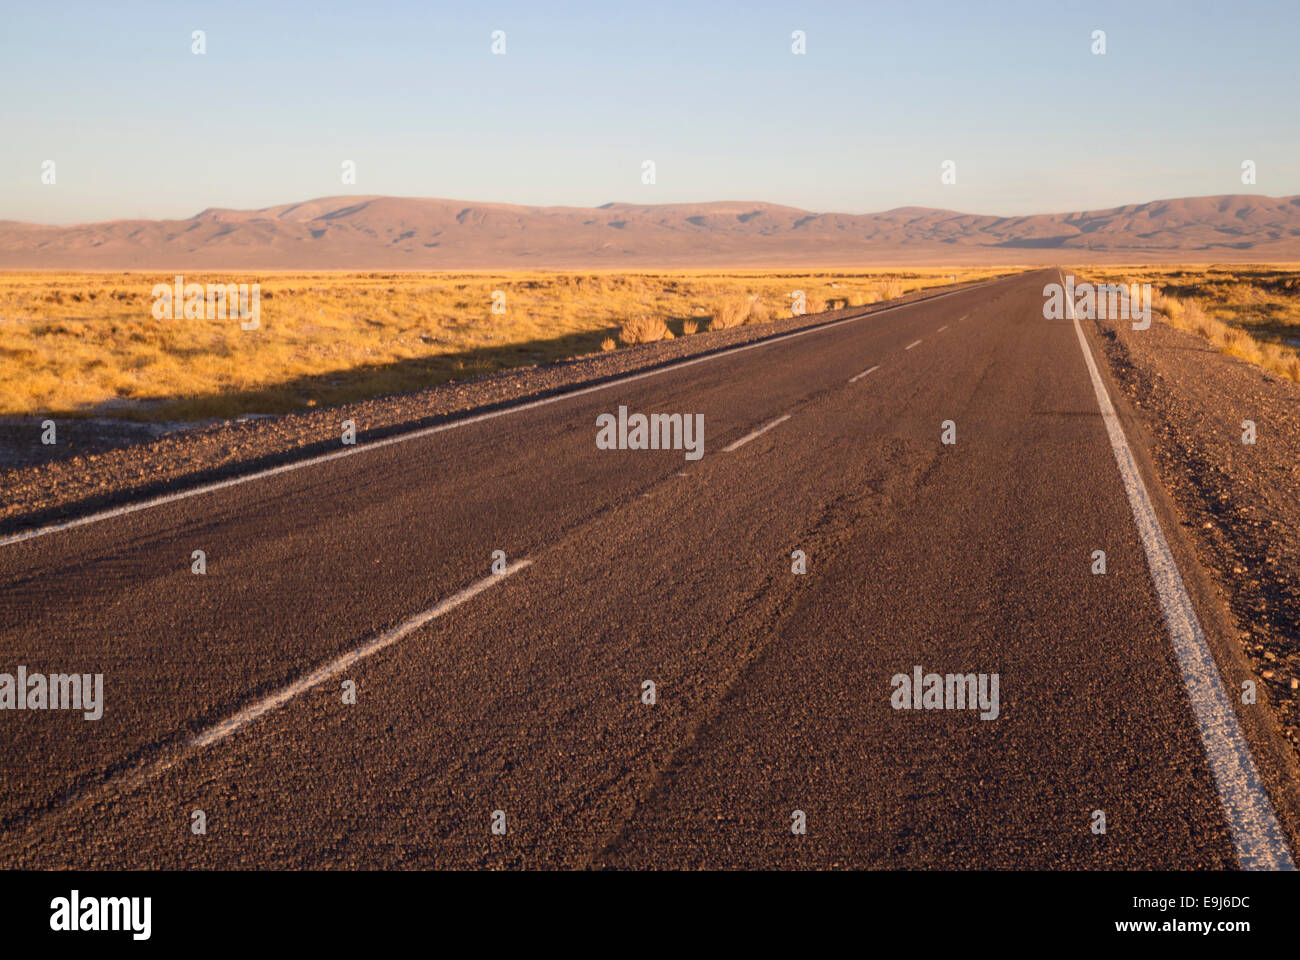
[729,312]
[643,329]
[1169,306]
[758,311]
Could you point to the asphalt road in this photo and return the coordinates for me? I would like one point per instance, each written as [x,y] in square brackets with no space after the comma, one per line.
[523,692]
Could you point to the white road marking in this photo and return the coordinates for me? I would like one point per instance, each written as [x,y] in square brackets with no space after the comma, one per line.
[1259,841]
[479,418]
[145,771]
[278,699]
[942,329]
[913,344]
[759,432]
[863,374]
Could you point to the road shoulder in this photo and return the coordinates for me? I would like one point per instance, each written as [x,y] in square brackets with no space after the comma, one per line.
[1229,511]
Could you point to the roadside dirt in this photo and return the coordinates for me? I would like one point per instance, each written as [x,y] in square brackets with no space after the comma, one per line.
[1240,502]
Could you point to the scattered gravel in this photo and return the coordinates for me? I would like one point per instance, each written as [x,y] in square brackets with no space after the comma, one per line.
[1240,502]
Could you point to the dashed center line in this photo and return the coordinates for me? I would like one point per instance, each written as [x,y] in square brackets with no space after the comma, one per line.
[759,432]
[336,666]
[379,444]
[911,345]
[863,374]
[942,329]
[146,771]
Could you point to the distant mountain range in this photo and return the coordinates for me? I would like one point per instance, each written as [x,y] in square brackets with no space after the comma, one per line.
[428,234]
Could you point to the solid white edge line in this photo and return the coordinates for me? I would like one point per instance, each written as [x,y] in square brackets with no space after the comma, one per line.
[911,345]
[429,431]
[863,374]
[336,666]
[759,432]
[1258,838]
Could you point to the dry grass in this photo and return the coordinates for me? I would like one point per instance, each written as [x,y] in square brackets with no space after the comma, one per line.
[644,329]
[1248,312]
[759,312]
[86,343]
[1234,341]
[890,289]
[729,312]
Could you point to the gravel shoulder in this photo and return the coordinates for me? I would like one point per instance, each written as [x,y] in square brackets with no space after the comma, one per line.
[1238,502]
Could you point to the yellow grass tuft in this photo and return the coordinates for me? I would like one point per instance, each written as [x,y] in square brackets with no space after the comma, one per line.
[729,312]
[644,329]
[890,289]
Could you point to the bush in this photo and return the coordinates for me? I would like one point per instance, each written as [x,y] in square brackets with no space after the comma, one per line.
[1169,306]
[643,329]
[729,312]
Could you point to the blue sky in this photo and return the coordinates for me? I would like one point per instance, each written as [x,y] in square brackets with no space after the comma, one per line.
[139,126]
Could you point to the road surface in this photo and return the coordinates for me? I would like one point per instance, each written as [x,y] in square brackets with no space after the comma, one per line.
[517,700]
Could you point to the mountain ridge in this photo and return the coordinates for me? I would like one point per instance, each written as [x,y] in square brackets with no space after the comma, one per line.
[432,233]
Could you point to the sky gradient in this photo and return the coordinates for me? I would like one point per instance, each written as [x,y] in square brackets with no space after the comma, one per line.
[139,126]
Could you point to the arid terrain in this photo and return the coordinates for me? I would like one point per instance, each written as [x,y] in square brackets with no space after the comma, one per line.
[824,438]
[87,344]
[146,405]
[683,437]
